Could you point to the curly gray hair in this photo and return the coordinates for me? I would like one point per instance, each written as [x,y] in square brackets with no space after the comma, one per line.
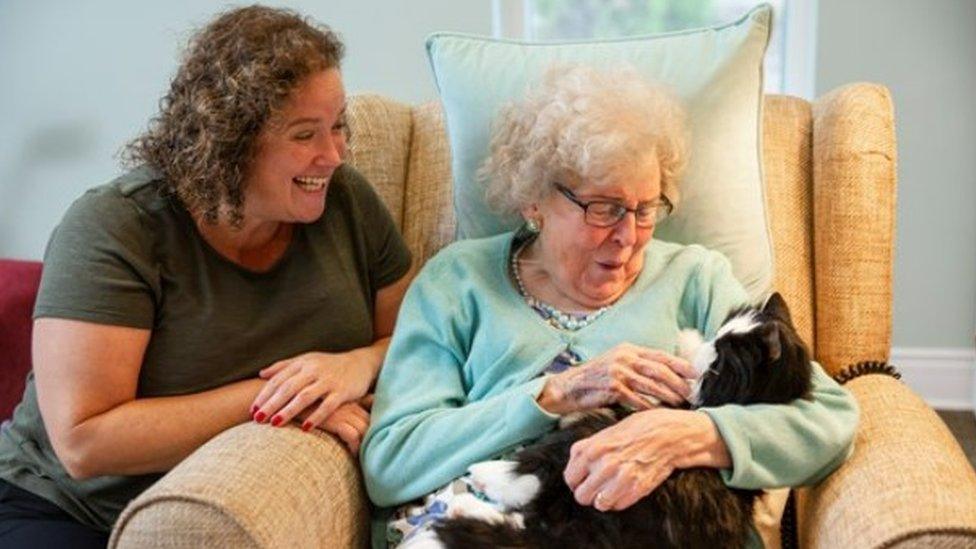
[587,124]
[235,75]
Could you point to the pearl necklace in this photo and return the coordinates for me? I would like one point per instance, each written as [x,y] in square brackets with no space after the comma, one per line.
[555,317]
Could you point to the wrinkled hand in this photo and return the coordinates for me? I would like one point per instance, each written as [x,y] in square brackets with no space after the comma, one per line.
[618,376]
[621,464]
[349,422]
[297,384]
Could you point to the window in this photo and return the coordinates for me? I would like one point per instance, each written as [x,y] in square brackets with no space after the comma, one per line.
[789,59]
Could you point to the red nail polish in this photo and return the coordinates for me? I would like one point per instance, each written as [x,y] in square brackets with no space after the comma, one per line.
[254,409]
[307,426]
[276,421]
[259,417]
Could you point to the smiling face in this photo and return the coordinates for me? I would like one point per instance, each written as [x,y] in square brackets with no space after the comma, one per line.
[589,267]
[297,152]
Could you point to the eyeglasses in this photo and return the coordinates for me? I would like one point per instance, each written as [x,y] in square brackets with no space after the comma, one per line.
[604,213]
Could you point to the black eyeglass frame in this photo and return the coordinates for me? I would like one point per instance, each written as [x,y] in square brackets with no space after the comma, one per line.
[664,206]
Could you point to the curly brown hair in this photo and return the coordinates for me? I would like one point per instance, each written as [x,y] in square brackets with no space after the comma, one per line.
[235,74]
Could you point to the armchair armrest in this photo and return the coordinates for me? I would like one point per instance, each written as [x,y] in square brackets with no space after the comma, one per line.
[908,480]
[253,486]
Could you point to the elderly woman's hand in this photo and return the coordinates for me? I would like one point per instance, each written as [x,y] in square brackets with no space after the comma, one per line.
[298,383]
[621,375]
[349,422]
[621,464]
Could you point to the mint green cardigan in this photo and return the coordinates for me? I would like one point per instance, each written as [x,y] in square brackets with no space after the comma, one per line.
[463,371]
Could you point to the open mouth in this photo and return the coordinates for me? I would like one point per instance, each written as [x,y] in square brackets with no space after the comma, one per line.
[311,184]
[610,265]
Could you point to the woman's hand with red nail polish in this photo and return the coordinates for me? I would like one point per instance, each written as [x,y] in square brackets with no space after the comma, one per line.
[314,383]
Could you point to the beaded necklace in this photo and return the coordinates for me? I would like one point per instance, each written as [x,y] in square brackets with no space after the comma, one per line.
[558,319]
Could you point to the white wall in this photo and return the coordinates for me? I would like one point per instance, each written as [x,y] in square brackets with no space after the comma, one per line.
[82,78]
[925,52]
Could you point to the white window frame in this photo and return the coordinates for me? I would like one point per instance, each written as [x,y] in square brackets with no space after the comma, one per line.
[799,39]
[800,49]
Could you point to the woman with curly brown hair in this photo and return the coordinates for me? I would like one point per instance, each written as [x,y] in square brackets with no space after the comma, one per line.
[239,270]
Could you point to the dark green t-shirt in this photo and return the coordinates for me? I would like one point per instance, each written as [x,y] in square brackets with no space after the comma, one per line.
[127,254]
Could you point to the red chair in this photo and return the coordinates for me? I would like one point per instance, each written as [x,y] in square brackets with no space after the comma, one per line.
[18,290]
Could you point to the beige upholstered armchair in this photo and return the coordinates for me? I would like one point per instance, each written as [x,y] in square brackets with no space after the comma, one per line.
[830,177]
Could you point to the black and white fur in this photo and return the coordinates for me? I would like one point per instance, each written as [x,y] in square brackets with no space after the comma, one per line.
[756,356]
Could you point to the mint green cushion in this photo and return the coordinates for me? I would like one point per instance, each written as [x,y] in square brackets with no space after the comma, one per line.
[716,71]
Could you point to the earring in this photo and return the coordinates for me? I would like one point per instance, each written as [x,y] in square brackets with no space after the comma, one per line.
[533,226]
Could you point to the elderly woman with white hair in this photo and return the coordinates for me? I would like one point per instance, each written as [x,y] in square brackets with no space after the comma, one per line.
[580,308]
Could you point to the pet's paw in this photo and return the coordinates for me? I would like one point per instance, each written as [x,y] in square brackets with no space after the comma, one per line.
[498,480]
[469,506]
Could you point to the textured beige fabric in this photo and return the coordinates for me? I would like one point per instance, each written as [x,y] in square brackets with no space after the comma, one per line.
[429,215]
[949,539]
[854,220]
[787,136]
[253,486]
[183,523]
[379,145]
[908,477]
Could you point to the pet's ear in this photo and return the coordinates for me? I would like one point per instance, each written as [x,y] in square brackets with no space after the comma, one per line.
[776,307]
[771,338]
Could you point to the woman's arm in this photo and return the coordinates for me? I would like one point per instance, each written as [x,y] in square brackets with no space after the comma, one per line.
[772,445]
[425,431]
[621,464]
[757,446]
[625,374]
[86,377]
[788,444]
[100,268]
[754,446]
